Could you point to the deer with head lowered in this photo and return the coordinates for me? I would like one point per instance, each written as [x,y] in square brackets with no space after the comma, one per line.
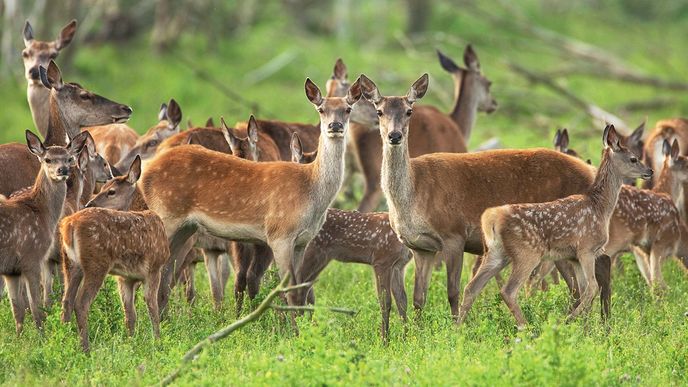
[131,245]
[282,204]
[435,200]
[28,223]
[574,226]
[430,130]
[71,107]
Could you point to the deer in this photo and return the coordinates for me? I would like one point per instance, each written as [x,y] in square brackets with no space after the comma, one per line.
[131,245]
[71,107]
[28,226]
[430,130]
[37,53]
[577,225]
[282,204]
[435,200]
[281,132]
[146,146]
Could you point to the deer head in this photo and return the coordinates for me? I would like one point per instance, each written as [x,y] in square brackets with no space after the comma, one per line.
[625,161]
[677,164]
[243,148]
[38,53]
[394,113]
[470,79]
[334,111]
[56,161]
[338,85]
[78,105]
[117,194]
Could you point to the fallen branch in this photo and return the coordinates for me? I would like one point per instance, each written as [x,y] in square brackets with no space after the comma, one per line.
[592,110]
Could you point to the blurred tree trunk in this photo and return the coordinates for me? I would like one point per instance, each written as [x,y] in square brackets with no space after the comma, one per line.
[419,12]
[10,33]
[162,35]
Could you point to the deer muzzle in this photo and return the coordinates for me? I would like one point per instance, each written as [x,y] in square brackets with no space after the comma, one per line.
[394,137]
[335,129]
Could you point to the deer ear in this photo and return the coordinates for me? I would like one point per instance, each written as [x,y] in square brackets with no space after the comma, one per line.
[134,171]
[369,90]
[564,143]
[313,92]
[418,89]
[34,143]
[666,148]
[66,35]
[210,123]
[231,139]
[637,136]
[79,142]
[90,144]
[675,150]
[355,92]
[163,112]
[28,34]
[447,63]
[340,71]
[173,113]
[557,138]
[296,148]
[611,139]
[252,130]
[51,77]
[83,159]
[470,58]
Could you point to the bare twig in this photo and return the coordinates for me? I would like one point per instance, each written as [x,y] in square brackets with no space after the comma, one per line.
[311,308]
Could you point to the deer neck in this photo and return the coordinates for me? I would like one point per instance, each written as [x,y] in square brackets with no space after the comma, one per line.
[666,183]
[137,202]
[59,130]
[328,170]
[48,197]
[604,192]
[397,177]
[465,106]
[38,97]
[88,185]
[75,190]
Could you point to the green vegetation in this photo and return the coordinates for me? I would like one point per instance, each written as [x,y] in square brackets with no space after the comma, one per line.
[645,343]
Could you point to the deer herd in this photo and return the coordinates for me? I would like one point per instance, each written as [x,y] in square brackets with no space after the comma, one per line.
[95,199]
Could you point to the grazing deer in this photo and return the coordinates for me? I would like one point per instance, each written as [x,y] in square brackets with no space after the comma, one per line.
[71,107]
[279,203]
[430,130]
[574,226]
[39,53]
[131,245]
[146,146]
[28,223]
[435,200]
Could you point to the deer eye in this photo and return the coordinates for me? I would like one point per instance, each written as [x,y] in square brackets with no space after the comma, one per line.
[409,112]
[634,160]
[379,113]
[321,110]
[152,143]
[111,192]
[84,95]
[348,110]
[71,159]
[48,161]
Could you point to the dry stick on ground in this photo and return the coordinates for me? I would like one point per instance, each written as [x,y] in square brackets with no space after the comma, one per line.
[592,110]
[226,331]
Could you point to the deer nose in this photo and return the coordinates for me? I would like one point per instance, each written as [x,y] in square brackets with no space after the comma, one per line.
[127,109]
[647,175]
[63,171]
[394,137]
[34,73]
[335,126]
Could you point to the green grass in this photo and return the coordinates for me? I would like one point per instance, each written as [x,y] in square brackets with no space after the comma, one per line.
[646,341]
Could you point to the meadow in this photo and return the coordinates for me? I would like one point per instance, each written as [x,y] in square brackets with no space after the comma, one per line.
[644,343]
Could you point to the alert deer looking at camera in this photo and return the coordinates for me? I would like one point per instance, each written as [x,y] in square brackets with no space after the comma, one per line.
[575,226]
[282,204]
[28,223]
[131,245]
[39,53]
[71,107]
[430,129]
[435,200]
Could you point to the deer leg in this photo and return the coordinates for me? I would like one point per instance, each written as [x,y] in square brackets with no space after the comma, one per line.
[152,283]
[73,276]
[189,280]
[33,282]
[283,250]
[491,264]
[242,257]
[180,244]
[603,274]
[656,277]
[87,292]
[223,269]
[399,292]
[383,279]
[587,281]
[642,260]
[369,147]
[568,274]
[17,299]
[47,281]
[260,263]
[425,262]
[211,265]
[521,269]
[453,256]
[127,295]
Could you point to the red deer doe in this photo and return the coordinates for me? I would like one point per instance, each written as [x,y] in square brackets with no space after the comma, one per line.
[430,129]
[131,245]
[435,200]
[39,53]
[574,226]
[355,237]
[71,107]
[282,204]
[28,224]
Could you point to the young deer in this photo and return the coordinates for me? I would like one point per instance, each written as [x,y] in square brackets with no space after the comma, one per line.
[279,203]
[435,200]
[71,107]
[575,226]
[430,130]
[131,245]
[39,53]
[146,146]
[281,132]
[28,223]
